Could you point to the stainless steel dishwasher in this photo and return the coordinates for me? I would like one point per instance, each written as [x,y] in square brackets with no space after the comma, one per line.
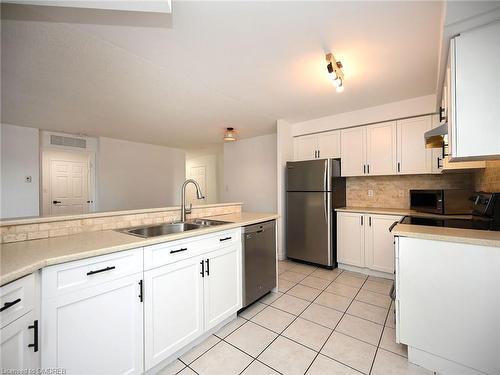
[259,260]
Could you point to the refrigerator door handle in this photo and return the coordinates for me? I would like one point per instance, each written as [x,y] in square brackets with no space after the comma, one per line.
[326,207]
[325,175]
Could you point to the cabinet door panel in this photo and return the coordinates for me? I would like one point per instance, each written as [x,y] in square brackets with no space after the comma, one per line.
[304,147]
[329,144]
[14,340]
[173,308]
[223,285]
[381,148]
[352,150]
[413,157]
[350,237]
[477,92]
[379,243]
[97,330]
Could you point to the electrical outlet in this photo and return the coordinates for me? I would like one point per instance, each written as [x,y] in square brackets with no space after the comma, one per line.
[28,179]
[370,192]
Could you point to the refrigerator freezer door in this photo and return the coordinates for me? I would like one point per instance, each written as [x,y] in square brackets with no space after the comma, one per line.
[309,233]
[311,175]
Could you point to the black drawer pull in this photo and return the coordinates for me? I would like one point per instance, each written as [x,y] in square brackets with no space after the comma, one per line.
[208,267]
[202,268]
[178,250]
[101,270]
[225,239]
[141,291]
[35,336]
[6,305]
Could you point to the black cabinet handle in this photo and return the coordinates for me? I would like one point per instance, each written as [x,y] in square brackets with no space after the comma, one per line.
[439,166]
[56,202]
[399,166]
[370,221]
[225,239]
[101,270]
[393,225]
[202,268]
[364,168]
[368,168]
[6,305]
[208,267]
[441,114]
[178,251]
[319,153]
[141,289]
[361,220]
[35,336]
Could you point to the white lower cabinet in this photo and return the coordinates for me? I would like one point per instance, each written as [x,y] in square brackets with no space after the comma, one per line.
[96,330]
[18,342]
[173,308]
[364,240]
[223,285]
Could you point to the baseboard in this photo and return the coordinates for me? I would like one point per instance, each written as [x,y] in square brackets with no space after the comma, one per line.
[366,271]
[438,364]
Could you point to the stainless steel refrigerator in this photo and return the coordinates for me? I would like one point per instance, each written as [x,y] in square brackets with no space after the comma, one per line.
[314,189]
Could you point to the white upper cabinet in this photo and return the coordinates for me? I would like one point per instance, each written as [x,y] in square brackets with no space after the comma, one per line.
[413,157]
[475,97]
[316,146]
[305,147]
[329,144]
[381,148]
[353,151]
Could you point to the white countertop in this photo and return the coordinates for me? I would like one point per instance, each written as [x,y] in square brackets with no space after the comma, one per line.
[19,259]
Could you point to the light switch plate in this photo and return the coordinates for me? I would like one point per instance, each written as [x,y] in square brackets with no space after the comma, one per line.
[370,192]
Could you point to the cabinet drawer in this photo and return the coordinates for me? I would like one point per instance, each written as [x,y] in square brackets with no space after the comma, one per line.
[72,276]
[169,252]
[16,299]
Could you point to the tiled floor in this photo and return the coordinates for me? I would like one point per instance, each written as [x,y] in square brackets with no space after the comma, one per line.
[320,322]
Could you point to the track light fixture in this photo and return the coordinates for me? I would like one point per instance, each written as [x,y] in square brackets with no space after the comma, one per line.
[335,73]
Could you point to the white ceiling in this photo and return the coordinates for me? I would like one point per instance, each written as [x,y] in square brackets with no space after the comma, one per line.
[180,79]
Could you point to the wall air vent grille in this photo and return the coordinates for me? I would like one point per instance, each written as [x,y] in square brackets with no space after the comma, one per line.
[60,140]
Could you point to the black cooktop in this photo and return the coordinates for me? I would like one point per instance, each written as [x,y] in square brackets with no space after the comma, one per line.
[474,223]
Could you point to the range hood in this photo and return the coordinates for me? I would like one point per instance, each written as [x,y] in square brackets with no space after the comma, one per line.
[435,138]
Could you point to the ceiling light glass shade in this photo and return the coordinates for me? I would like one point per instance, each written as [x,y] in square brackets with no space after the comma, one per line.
[337,82]
[229,135]
[340,88]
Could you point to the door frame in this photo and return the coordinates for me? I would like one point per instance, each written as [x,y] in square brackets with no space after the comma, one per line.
[46,148]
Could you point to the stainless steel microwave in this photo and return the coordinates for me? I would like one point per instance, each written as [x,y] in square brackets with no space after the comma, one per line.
[442,201]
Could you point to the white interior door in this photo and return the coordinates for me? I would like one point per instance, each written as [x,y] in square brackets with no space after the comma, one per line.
[199,174]
[66,183]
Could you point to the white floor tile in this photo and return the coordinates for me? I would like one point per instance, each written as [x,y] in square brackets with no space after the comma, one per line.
[315,282]
[284,285]
[173,368]
[387,363]
[369,312]
[333,301]
[270,297]
[322,315]
[258,368]
[273,319]
[360,328]
[388,342]
[199,349]
[251,338]
[221,359]
[287,357]
[229,327]
[376,287]
[292,276]
[373,298]
[290,304]
[304,292]
[350,280]
[252,310]
[327,274]
[342,290]
[305,269]
[350,351]
[326,366]
[307,333]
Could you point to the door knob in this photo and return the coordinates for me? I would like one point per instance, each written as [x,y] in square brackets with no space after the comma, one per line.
[56,202]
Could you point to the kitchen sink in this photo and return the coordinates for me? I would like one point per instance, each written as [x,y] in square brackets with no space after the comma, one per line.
[164,229]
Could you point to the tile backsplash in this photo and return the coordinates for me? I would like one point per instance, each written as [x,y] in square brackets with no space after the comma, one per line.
[64,227]
[393,191]
[489,179]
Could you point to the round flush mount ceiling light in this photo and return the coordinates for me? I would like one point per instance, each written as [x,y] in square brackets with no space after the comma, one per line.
[335,73]
[230,135]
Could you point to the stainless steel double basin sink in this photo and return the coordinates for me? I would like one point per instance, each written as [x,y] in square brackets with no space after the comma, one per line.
[147,231]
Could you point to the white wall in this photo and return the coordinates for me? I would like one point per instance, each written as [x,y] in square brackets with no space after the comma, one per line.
[250,173]
[137,175]
[284,153]
[19,152]
[390,111]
